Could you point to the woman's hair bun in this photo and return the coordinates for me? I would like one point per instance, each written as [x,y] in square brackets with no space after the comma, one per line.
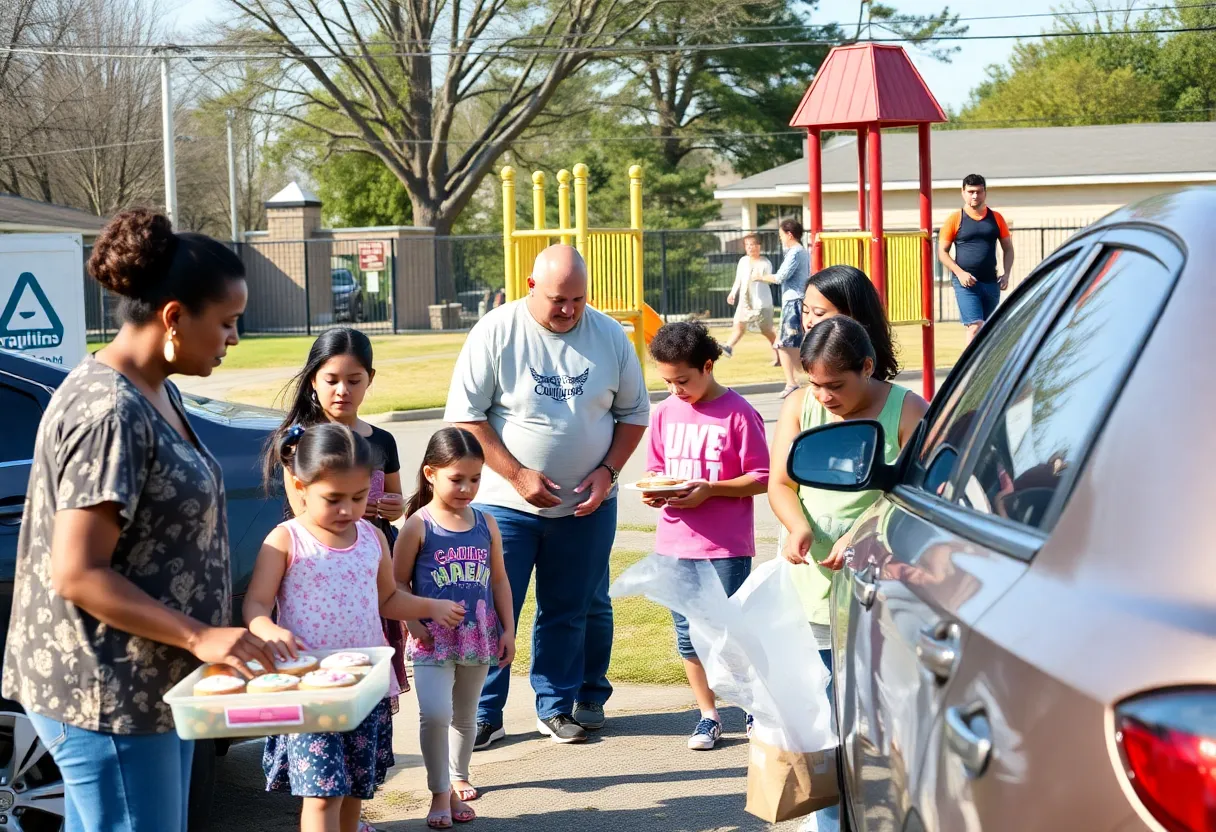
[133,253]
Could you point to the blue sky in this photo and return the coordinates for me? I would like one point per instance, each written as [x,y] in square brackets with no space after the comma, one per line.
[951,83]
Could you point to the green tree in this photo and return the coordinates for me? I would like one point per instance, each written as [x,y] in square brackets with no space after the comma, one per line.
[1113,67]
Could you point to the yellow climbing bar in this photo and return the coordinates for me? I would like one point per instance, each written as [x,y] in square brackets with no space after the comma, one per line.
[904,298]
[614,255]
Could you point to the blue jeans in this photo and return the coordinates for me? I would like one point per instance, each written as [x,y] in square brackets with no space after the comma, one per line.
[976,303]
[829,818]
[572,636]
[119,782]
[732,572]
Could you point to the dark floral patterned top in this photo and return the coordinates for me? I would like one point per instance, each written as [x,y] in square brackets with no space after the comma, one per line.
[101,441]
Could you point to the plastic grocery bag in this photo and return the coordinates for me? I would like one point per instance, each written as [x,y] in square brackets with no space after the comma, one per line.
[758,653]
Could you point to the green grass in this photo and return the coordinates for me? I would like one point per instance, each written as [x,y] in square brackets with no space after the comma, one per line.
[643,645]
[635,527]
[414,371]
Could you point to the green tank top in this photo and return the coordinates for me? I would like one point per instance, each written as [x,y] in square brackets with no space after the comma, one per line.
[832,513]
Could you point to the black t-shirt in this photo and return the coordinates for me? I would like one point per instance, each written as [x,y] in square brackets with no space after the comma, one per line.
[975,242]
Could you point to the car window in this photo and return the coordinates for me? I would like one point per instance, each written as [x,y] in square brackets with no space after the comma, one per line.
[21,417]
[343,279]
[952,425]
[1059,403]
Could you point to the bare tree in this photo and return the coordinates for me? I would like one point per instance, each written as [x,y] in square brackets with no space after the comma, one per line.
[26,23]
[397,78]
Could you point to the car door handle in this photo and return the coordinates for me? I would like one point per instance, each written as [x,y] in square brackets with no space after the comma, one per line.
[865,586]
[11,511]
[969,736]
[937,649]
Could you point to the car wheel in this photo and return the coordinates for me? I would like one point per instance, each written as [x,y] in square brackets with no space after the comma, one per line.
[202,785]
[356,314]
[31,789]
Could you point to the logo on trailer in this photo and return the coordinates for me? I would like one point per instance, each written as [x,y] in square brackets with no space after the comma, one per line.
[28,321]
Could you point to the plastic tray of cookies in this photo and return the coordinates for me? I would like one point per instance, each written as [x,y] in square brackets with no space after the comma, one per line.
[320,703]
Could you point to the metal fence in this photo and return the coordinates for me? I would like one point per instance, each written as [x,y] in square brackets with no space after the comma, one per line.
[396,284]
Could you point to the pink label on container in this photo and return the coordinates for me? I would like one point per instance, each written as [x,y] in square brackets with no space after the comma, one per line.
[267,715]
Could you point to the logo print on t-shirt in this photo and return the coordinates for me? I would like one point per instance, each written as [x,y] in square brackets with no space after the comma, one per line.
[559,388]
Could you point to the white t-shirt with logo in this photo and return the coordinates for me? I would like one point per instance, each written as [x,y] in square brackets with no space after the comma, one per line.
[554,399]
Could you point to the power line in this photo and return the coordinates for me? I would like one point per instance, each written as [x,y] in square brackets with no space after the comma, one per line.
[639,49]
[585,140]
[667,33]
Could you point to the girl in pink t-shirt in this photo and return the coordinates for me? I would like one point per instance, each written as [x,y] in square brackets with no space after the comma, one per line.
[710,437]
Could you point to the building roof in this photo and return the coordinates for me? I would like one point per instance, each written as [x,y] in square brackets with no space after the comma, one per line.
[1178,152]
[293,196]
[867,83]
[19,214]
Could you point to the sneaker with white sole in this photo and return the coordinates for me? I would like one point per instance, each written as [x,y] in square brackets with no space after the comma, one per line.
[487,735]
[590,715]
[561,728]
[706,736]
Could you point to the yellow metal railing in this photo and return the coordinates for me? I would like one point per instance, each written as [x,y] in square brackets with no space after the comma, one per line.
[903,253]
[613,255]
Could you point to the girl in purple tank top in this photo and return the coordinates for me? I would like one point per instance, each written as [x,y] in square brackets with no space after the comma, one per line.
[450,551]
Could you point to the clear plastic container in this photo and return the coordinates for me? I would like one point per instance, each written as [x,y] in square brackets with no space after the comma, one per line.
[290,712]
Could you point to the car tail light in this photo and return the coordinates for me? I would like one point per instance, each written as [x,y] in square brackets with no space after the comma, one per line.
[1168,744]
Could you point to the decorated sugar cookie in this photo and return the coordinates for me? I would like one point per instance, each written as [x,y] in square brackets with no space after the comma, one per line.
[273,683]
[298,666]
[220,685]
[326,680]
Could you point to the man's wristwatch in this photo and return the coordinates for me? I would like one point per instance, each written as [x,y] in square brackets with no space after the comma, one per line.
[615,473]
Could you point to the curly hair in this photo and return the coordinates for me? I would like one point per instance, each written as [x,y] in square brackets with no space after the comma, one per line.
[139,256]
[684,342]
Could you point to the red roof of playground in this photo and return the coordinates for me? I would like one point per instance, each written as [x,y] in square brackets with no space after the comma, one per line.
[867,83]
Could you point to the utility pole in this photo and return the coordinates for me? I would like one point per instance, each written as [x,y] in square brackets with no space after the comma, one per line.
[232,180]
[166,106]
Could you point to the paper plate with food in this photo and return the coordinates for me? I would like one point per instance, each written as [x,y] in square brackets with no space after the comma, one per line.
[659,484]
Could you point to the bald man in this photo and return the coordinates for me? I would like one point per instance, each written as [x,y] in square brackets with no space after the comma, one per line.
[554,392]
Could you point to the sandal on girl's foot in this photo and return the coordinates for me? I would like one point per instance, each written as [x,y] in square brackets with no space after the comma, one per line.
[466,793]
[439,820]
[789,388]
[461,811]
[364,826]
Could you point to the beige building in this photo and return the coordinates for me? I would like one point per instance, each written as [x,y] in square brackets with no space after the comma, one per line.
[1037,177]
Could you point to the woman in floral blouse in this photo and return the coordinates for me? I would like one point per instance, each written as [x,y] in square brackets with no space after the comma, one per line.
[122,580]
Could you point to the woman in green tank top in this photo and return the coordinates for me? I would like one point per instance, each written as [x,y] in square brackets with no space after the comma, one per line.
[840,359]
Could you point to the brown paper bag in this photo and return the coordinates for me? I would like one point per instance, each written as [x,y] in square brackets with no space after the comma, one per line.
[787,784]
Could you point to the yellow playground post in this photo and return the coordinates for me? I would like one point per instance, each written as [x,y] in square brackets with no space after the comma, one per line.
[614,255]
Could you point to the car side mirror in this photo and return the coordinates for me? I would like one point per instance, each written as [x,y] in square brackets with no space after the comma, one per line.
[843,456]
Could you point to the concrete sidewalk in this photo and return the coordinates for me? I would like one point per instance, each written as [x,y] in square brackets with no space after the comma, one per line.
[636,773]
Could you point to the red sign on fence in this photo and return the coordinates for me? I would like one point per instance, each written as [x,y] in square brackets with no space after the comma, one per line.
[371,256]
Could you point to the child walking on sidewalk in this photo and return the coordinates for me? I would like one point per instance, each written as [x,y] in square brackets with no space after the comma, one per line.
[709,436]
[449,550]
[328,559]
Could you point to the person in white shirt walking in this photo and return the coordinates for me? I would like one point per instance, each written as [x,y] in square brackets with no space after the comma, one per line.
[554,392]
[751,295]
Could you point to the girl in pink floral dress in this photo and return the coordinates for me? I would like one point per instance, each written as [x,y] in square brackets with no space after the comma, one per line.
[451,551]
[328,572]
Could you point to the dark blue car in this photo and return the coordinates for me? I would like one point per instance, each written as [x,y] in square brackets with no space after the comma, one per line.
[31,791]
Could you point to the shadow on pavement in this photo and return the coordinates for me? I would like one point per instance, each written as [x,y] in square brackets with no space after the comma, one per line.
[668,725]
[581,784]
[683,814]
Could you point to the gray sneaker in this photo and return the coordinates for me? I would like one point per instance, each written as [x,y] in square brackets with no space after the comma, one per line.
[589,715]
[561,728]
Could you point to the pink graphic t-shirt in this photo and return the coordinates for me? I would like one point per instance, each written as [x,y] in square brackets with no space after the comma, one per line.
[712,441]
